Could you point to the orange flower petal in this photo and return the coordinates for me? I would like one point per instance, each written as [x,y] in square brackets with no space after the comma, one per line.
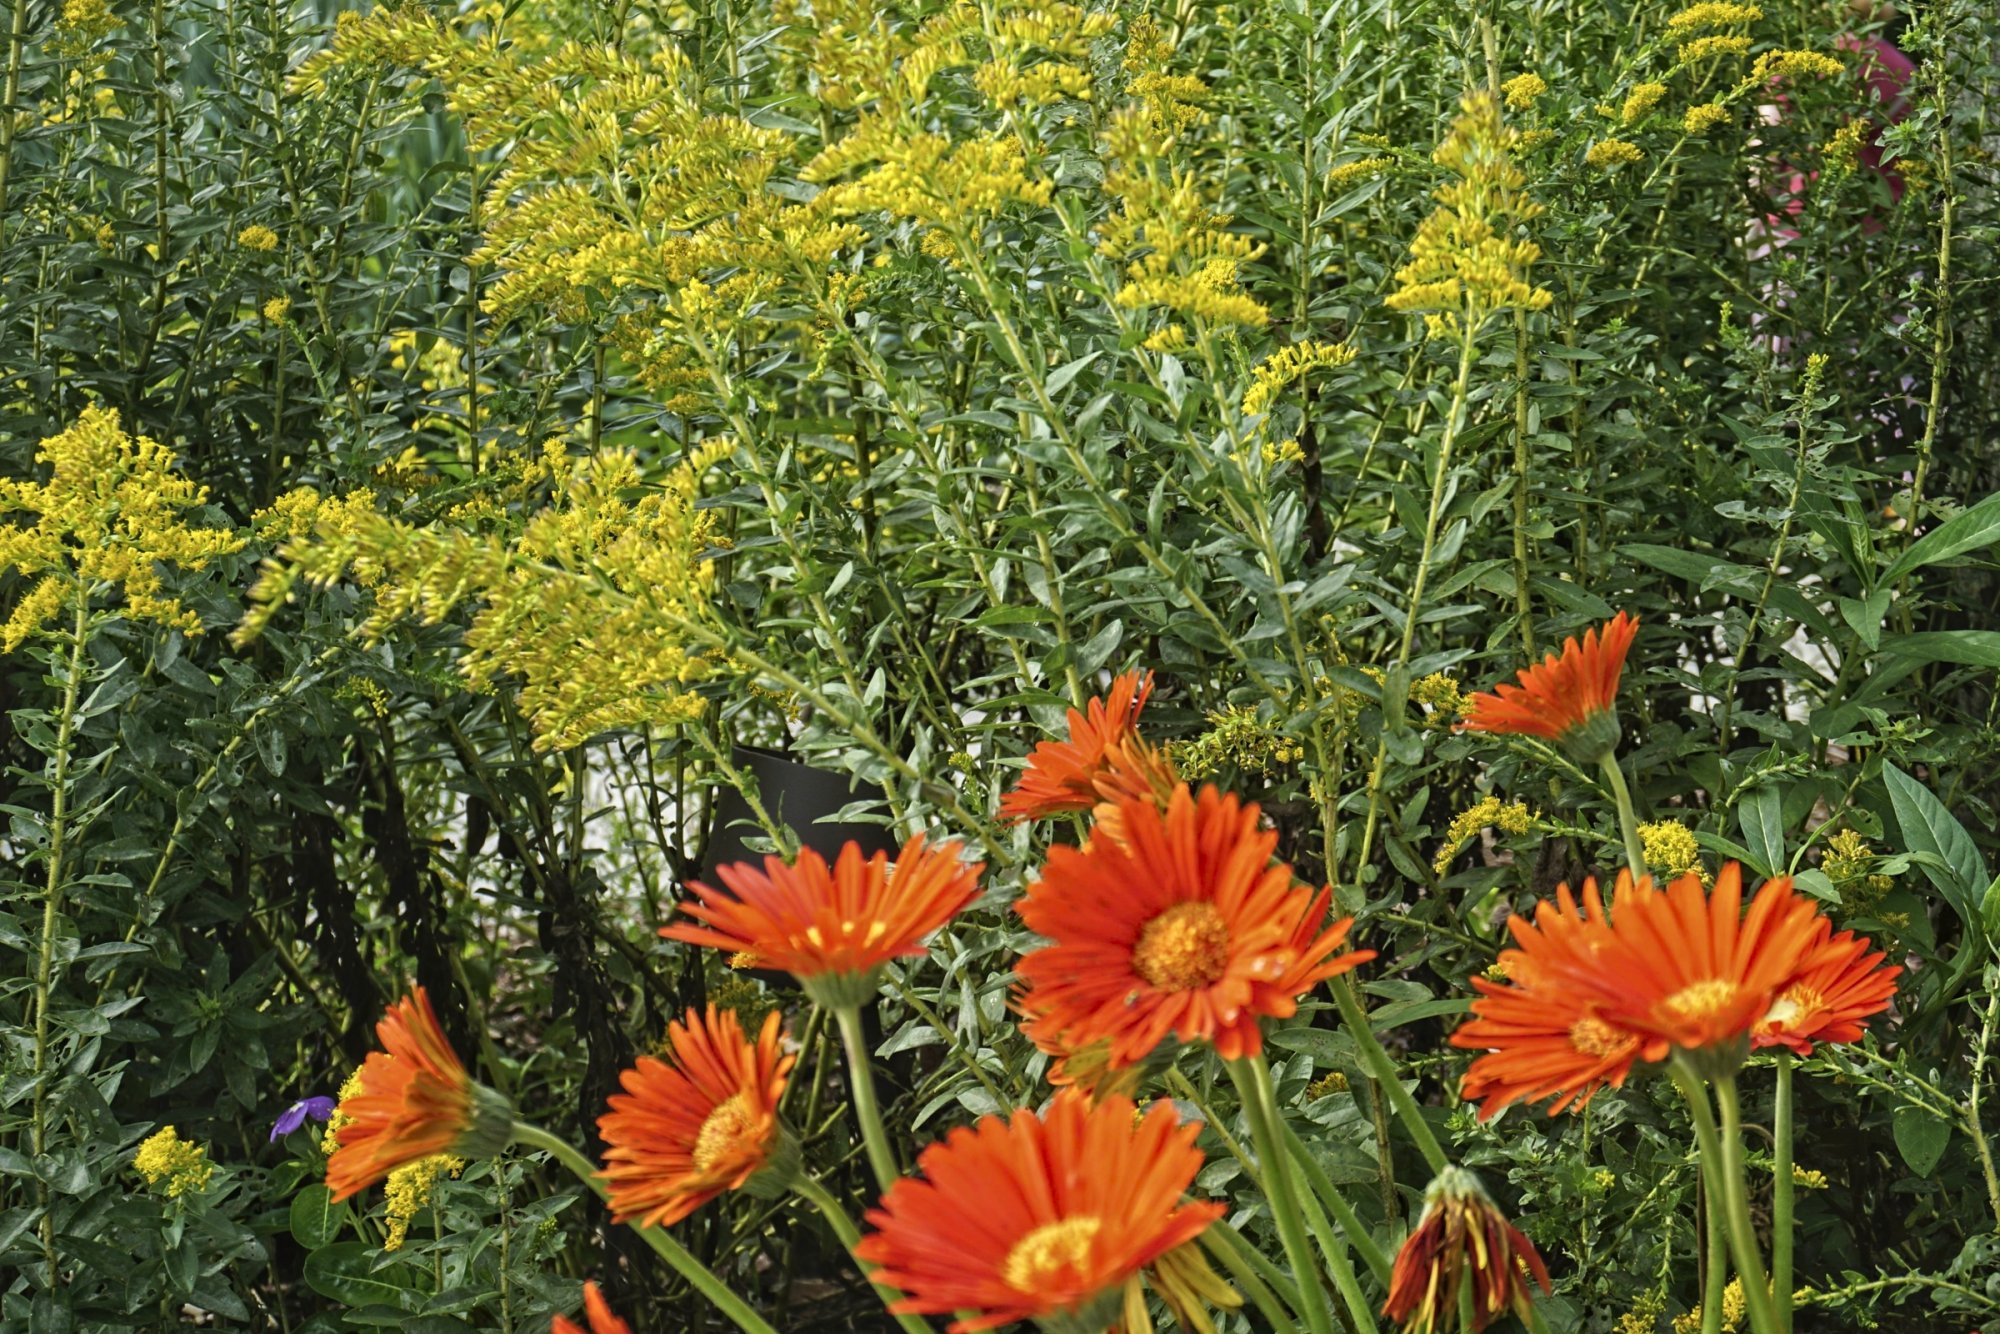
[1062,775]
[1562,693]
[415,1100]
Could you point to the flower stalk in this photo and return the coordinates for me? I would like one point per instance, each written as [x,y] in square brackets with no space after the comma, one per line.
[867,1110]
[1722,1168]
[1253,1087]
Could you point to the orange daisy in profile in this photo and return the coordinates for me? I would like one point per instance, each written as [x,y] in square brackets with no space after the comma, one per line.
[1184,926]
[1690,970]
[1087,1067]
[1837,986]
[413,1099]
[1062,775]
[682,1133]
[1571,698]
[1544,1040]
[833,927]
[1039,1217]
[599,1313]
[1462,1236]
[1133,771]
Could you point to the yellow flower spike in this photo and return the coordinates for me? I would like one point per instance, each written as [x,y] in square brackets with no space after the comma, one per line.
[1711,15]
[1708,48]
[257,237]
[1522,90]
[1609,154]
[1641,101]
[1288,365]
[1705,117]
[408,1191]
[1670,849]
[181,1164]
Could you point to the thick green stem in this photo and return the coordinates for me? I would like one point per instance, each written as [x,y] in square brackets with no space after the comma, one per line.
[1722,1168]
[694,1271]
[1350,1222]
[1333,1246]
[850,1236]
[17,45]
[1628,820]
[1253,1087]
[1782,1190]
[1715,1272]
[1384,1071]
[861,1080]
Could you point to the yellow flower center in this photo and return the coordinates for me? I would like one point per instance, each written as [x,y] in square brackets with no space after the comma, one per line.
[1702,1000]
[1797,1003]
[1184,948]
[1593,1037]
[724,1135]
[1052,1249]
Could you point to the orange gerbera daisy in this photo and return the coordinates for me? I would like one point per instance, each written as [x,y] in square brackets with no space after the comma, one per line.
[1087,1067]
[832,928]
[599,1313]
[1541,1037]
[1837,986]
[413,1099]
[1133,771]
[1570,698]
[1062,775]
[1689,970]
[1039,1217]
[1183,926]
[682,1133]
[1462,1235]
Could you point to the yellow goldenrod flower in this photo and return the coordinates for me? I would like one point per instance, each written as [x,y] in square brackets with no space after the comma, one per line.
[408,1191]
[1809,1177]
[1608,154]
[1509,817]
[108,518]
[1705,117]
[1784,64]
[1284,451]
[1440,692]
[1347,173]
[1670,848]
[1644,1317]
[257,237]
[1236,737]
[181,1164]
[350,1087]
[1466,261]
[1172,338]
[1711,15]
[1603,1179]
[1522,90]
[1640,102]
[1841,151]
[1288,365]
[1705,48]
[80,26]
[277,308]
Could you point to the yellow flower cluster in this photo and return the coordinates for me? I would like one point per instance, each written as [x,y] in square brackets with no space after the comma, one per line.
[1704,117]
[82,25]
[257,237]
[1440,693]
[1347,173]
[1734,1308]
[1704,48]
[1848,862]
[1784,64]
[1809,1177]
[108,517]
[1039,55]
[1237,738]
[1467,262]
[1284,451]
[1640,102]
[1670,848]
[1172,101]
[277,308]
[1842,149]
[1644,1317]
[349,1088]
[747,997]
[1288,365]
[1611,153]
[1711,14]
[1509,817]
[182,1164]
[1522,90]
[587,607]
[927,176]
[408,1190]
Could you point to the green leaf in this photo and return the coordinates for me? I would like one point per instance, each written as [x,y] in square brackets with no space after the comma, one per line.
[1060,377]
[1969,648]
[316,1220]
[1972,530]
[1761,816]
[1920,1137]
[1926,826]
[345,1272]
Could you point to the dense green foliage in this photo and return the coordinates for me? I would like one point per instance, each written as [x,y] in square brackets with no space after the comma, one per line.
[950,452]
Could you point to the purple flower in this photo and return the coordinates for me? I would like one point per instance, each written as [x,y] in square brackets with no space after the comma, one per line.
[296,1115]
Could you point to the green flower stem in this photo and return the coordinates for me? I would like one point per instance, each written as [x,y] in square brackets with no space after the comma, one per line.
[861,1076]
[850,1236]
[1722,1168]
[694,1271]
[1253,1087]
[1228,1248]
[1383,1069]
[1628,822]
[1333,1246]
[1350,1222]
[1783,1188]
[1716,1277]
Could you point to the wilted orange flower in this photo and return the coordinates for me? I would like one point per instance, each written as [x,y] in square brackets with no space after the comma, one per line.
[1690,970]
[1039,1218]
[1837,986]
[1571,699]
[1462,1234]
[601,1319]
[832,928]
[682,1133]
[1062,775]
[1183,926]
[1133,771]
[1547,1039]
[1087,1067]
[413,1099]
